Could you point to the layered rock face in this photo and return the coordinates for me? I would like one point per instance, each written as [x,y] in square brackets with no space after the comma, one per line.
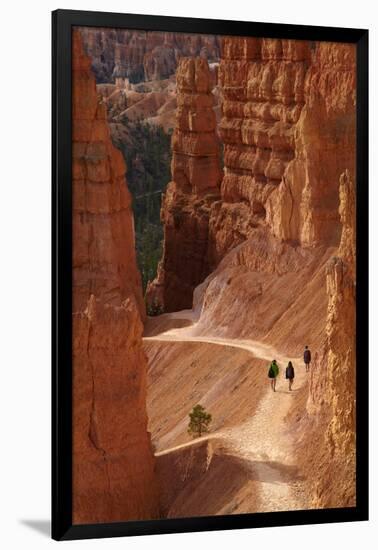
[113,464]
[282,101]
[279,250]
[292,291]
[262,83]
[196,175]
[341,324]
[288,130]
[333,380]
[141,55]
[324,148]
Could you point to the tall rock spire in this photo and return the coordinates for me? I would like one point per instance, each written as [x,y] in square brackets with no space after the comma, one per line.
[196,176]
[113,463]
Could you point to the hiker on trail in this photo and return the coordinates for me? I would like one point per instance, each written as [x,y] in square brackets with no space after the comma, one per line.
[307,358]
[290,374]
[273,373]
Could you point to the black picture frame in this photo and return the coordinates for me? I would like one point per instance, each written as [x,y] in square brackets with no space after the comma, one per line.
[62,23]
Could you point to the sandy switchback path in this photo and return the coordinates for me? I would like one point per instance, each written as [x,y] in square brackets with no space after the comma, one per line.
[264,440]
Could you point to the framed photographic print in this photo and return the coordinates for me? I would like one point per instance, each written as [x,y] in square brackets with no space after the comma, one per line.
[210,194]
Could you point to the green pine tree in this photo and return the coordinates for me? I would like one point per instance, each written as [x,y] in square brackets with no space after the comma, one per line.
[199,421]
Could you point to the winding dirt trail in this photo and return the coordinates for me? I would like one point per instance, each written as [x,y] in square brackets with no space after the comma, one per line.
[264,440]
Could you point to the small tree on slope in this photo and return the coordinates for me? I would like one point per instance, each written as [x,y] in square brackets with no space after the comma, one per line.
[199,421]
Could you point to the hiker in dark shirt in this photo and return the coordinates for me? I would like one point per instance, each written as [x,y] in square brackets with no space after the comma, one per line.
[307,358]
[273,373]
[290,374]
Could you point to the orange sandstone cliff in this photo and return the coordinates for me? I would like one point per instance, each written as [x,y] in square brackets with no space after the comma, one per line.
[278,257]
[332,385]
[196,176]
[280,275]
[288,131]
[288,128]
[113,463]
[262,83]
[324,148]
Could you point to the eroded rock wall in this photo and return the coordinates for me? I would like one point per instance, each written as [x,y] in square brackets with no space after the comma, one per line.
[332,389]
[196,176]
[262,83]
[279,250]
[113,463]
[341,324]
[288,132]
[304,207]
[283,100]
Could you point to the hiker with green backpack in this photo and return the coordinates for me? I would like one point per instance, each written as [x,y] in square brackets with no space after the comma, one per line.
[273,373]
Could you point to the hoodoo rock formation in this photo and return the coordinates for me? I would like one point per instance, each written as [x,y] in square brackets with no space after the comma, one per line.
[341,322]
[263,252]
[262,83]
[196,175]
[113,463]
[309,190]
[332,384]
[272,259]
[141,55]
[274,229]
[282,101]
